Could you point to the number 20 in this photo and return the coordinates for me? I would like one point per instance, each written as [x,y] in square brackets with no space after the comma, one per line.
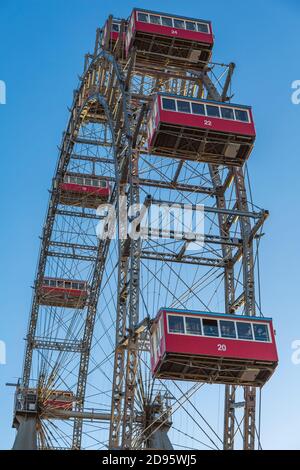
[222,347]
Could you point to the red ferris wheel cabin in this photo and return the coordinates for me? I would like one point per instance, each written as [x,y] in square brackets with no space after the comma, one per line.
[164,39]
[213,348]
[63,293]
[201,130]
[114,33]
[84,191]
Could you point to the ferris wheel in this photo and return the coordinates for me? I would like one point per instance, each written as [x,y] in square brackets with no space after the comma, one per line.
[145,310]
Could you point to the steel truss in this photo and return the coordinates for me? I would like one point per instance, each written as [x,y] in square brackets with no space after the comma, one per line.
[106,135]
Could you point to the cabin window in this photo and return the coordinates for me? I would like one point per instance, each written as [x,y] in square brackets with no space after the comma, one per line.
[143,17]
[241,115]
[53,283]
[79,181]
[88,182]
[46,282]
[176,324]
[103,184]
[227,329]
[81,286]
[192,326]
[75,285]
[169,104]
[210,327]
[61,283]
[202,28]
[72,179]
[179,24]
[227,113]
[212,111]
[244,330]
[154,19]
[68,285]
[183,106]
[198,108]
[191,26]
[166,21]
[115,27]
[261,332]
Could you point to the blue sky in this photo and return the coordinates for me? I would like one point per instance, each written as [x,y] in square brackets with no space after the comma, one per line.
[42,48]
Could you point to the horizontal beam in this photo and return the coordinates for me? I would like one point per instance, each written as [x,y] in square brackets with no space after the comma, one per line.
[177,186]
[92,159]
[69,346]
[186,259]
[97,143]
[214,210]
[55,254]
[78,214]
[67,414]
[74,246]
[88,415]
[156,234]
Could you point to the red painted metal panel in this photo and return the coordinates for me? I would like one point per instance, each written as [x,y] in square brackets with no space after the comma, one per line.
[236,349]
[85,189]
[61,290]
[156,29]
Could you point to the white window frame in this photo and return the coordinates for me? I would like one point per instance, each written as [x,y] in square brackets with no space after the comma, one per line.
[227,119]
[172,110]
[170,18]
[201,326]
[235,328]
[268,329]
[195,114]
[157,16]
[191,21]
[246,111]
[143,13]
[183,112]
[179,19]
[206,24]
[205,109]
[219,328]
[215,106]
[116,24]
[168,326]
